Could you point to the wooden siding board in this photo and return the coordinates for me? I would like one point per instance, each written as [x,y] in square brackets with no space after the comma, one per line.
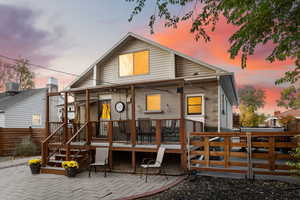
[185,67]
[161,64]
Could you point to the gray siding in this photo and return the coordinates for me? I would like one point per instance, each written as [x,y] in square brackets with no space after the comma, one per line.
[2,120]
[226,112]
[210,92]
[20,114]
[185,67]
[86,81]
[170,103]
[161,64]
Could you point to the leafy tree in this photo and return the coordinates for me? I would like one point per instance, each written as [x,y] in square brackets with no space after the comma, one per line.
[257,21]
[250,96]
[7,73]
[296,163]
[24,75]
[19,72]
[261,118]
[289,98]
[248,117]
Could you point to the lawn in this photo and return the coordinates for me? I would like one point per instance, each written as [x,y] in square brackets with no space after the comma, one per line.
[205,187]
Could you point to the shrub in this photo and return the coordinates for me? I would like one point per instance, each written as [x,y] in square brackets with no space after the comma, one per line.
[296,163]
[26,148]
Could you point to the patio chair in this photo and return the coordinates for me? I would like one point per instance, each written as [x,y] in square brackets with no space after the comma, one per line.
[150,163]
[101,159]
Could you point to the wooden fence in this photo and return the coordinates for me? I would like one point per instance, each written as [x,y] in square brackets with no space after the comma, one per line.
[249,153]
[11,137]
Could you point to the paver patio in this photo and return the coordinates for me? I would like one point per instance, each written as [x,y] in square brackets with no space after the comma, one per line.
[18,183]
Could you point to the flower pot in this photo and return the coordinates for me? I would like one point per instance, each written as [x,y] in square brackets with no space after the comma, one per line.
[35,169]
[71,171]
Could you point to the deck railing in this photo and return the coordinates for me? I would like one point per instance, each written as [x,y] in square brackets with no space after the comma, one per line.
[249,153]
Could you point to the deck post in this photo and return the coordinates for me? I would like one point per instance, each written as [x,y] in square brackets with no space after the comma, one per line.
[133,129]
[66,118]
[47,116]
[44,145]
[158,133]
[182,128]
[110,139]
[87,116]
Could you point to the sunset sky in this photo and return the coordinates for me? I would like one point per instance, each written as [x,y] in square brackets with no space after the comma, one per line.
[69,35]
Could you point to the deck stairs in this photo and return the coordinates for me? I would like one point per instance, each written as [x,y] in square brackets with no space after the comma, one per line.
[58,155]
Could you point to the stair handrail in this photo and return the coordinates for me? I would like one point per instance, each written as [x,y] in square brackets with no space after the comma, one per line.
[52,134]
[45,147]
[71,139]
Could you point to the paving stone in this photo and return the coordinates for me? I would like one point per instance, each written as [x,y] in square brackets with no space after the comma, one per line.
[17,183]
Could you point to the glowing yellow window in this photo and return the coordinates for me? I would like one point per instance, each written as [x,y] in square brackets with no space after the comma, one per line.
[153,102]
[136,63]
[141,62]
[194,105]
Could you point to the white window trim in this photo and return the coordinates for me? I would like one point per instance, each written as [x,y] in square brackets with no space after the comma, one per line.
[203,104]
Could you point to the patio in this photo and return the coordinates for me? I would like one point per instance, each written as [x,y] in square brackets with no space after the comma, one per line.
[18,183]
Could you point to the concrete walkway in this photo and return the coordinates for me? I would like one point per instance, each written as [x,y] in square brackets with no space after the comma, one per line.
[16,162]
[17,183]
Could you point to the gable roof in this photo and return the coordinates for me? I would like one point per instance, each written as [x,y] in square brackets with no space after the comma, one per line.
[131,35]
[7,101]
[294,113]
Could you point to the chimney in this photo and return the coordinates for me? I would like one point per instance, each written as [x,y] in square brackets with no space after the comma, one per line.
[12,88]
[52,84]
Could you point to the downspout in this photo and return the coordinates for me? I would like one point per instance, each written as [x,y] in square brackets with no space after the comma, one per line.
[219,106]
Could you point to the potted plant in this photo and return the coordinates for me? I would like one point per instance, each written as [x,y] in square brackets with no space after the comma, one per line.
[35,165]
[70,167]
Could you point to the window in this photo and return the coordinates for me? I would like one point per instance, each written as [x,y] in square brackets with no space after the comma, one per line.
[194,105]
[36,120]
[136,63]
[153,102]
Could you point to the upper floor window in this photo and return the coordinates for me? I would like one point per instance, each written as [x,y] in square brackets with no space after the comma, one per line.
[194,105]
[136,63]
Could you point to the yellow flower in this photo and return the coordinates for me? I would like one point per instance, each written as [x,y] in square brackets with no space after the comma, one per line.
[34,161]
[67,164]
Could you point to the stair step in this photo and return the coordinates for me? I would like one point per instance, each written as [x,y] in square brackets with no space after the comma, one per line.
[55,161]
[82,150]
[73,156]
[53,170]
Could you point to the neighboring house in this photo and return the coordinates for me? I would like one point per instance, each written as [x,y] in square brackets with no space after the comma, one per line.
[209,91]
[293,125]
[26,108]
[272,122]
[294,113]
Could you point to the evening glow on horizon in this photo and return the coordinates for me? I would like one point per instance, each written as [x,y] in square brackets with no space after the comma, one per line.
[71,35]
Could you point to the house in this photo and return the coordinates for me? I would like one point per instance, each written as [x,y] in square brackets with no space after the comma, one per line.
[293,125]
[141,95]
[25,108]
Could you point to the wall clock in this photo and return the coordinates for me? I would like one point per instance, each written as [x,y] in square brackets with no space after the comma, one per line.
[120,106]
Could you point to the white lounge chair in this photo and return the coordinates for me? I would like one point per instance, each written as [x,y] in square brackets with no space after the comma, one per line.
[101,159]
[150,163]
